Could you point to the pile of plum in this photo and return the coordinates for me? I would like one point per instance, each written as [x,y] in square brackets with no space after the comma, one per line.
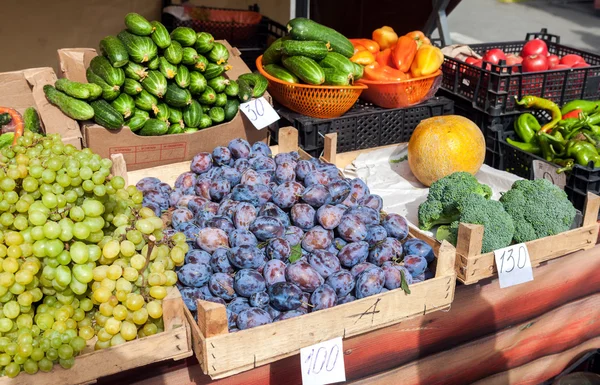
[277,237]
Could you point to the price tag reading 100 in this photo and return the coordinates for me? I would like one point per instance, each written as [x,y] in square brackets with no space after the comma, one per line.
[514,265]
[323,363]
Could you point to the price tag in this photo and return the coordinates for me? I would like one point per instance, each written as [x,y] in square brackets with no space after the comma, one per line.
[323,363]
[545,170]
[260,112]
[514,265]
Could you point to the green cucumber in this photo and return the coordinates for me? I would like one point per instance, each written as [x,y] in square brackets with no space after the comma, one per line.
[174,53]
[32,120]
[175,128]
[190,130]
[177,96]
[245,90]
[273,54]
[258,83]
[213,70]
[204,42]
[154,127]
[145,101]
[154,63]
[182,78]
[138,24]
[184,35]
[160,35]
[305,68]
[162,112]
[73,89]
[137,121]
[208,97]
[155,83]
[198,83]
[305,29]
[281,73]
[108,92]
[358,71]
[73,108]
[141,49]
[132,87]
[192,114]
[205,122]
[217,114]
[231,109]
[112,76]
[135,71]
[220,100]
[334,77]
[315,50]
[114,50]
[219,83]
[201,63]
[167,69]
[232,88]
[218,54]
[205,109]
[175,115]
[124,104]
[189,56]
[337,61]
[95,90]
[106,116]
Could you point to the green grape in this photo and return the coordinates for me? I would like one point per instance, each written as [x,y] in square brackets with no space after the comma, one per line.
[45,365]
[52,354]
[30,366]
[12,370]
[88,185]
[5,359]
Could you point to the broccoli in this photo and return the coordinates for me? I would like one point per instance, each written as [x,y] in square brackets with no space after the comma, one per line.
[444,195]
[476,209]
[538,209]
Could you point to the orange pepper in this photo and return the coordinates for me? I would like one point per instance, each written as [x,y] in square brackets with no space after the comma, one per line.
[385,37]
[377,72]
[384,57]
[358,48]
[427,60]
[369,44]
[363,58]
[419,37]
[403,53]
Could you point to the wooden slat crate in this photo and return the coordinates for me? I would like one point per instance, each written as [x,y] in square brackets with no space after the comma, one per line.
[222,354]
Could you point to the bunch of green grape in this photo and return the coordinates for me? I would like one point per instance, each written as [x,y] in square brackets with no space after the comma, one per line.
[80,259]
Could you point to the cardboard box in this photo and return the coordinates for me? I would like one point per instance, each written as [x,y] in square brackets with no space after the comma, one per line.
[23,89]
[150,151]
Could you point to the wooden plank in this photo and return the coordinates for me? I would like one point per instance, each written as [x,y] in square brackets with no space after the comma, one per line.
[119,167]
[212,319]
[590,211]
[288,139]
[330,147]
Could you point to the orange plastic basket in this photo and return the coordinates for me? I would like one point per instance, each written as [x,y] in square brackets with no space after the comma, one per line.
[316,101]
[401,94]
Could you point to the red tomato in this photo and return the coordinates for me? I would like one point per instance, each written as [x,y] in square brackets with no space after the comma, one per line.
[581,65]
[494,56]
[571,60]
[552,60]
[512,60]
[534,47]
[477,63]
[471,60]
[559,67]
[535,63]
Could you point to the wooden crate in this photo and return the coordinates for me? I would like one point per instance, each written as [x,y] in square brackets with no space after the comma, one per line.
[174,343]
[222,354]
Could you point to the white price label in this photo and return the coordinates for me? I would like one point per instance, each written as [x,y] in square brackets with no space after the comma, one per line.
[514,265]
[323,363]
[260,112]
[545,170]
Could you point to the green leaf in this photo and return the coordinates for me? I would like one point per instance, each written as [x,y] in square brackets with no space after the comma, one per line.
[296,253]
[404,284]
[399,160]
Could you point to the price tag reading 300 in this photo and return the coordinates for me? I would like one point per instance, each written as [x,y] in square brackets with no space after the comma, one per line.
[259,112]
[514,265]
[323,363]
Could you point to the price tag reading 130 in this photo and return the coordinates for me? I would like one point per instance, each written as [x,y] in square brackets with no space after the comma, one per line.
[323,363]
[259,112]
[514,265]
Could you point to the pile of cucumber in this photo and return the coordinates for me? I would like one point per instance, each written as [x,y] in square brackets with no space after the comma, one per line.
[313,54]
[157,83]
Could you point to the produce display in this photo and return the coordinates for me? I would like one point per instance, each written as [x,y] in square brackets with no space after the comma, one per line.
[13,124]
[81,259]
[571,137]
[277,237]
[156,83]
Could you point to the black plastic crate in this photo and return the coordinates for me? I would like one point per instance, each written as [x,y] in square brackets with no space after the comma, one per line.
[364,125]
[588,362]
[493,90]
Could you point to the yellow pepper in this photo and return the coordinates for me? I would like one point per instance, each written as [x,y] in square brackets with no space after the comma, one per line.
[363,58]
[427,60]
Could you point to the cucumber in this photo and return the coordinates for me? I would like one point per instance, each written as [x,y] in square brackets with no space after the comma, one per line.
[167,69]
[160,35]
[273,54]
[106,116]
[137,121]
[182,78]
[32,120]
[177,96]
[189,56]
[192,114]
[198,83]
[175,129]
[204,42]
[138,24]
[112,76]
[258,83]
[205,122]
[219,54]
[217,114]
[305,68]
[231,109]
[124,104]
[5,118]
[219,83]
[220,100]
[114,50]
[305,29]
[162,112]
[132,87]
[232,88]
[73,89]
[145,101]
[245,91]
[339,62]
[315,50]
[334,77]
[141,49]
[190,130]
[175,115]
[184,35]
[155,83]
[208,97]
[154,127]
[95,90]
[358,71]
[201,63]
[73,108]
[174,53]
[135,71]
[205,109]
[154,63]
[108,92]
[281,73]
[213,70]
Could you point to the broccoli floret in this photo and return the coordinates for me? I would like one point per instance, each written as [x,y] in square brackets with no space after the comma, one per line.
[538,209]
[444,196]
[475,209]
